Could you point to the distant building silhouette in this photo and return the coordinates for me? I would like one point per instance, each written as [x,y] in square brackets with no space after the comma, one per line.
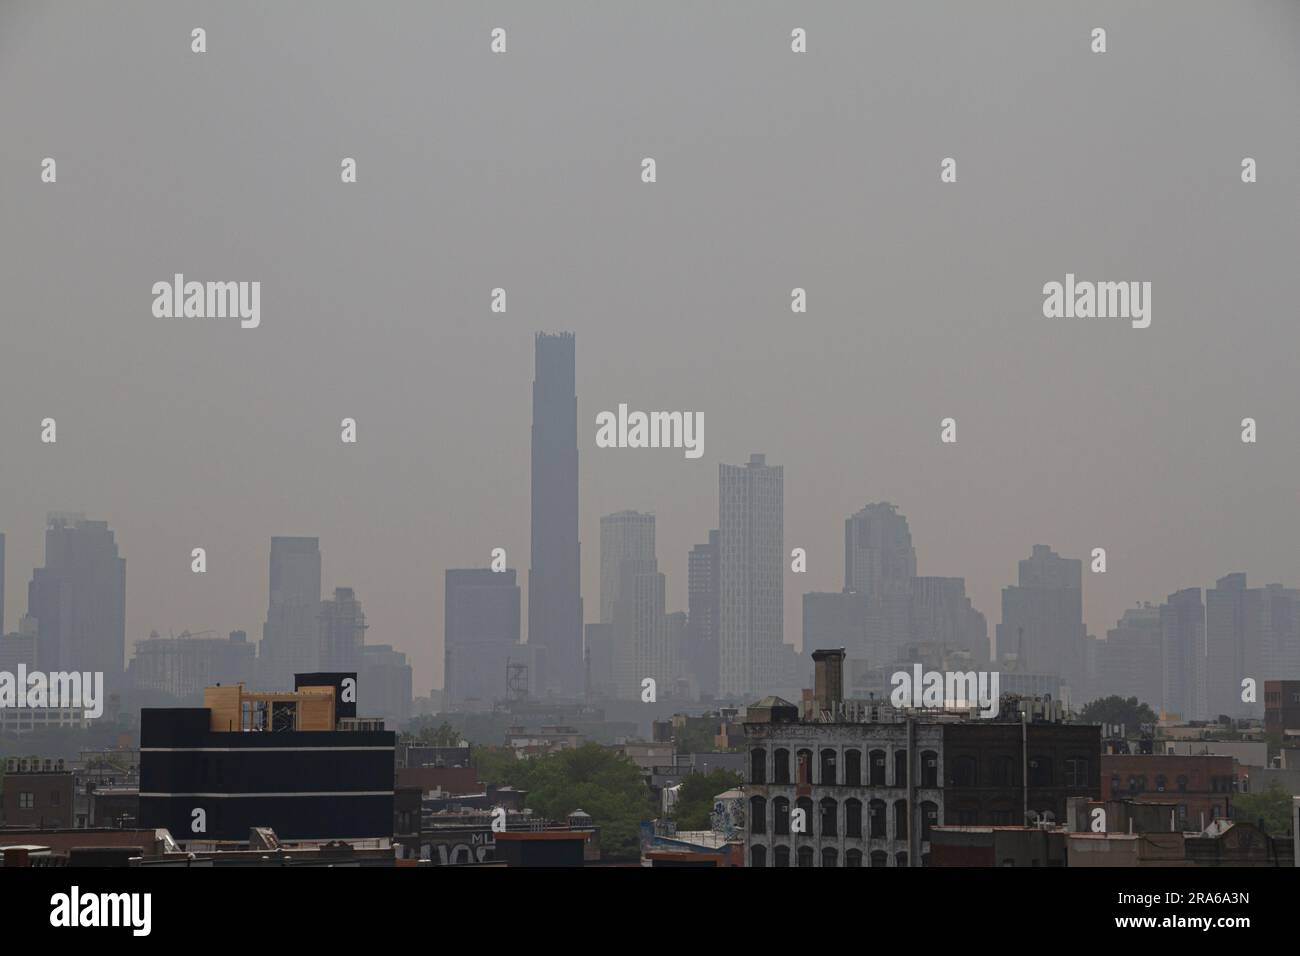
[554,587]
[632,592]
[1045,611]
[1182,638]
[480,633]
[704,598]
[291,635]
[751,502]
[342,632]
[79,599]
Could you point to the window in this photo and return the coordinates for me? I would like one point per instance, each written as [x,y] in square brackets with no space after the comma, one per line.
[900,819]
[758,765]
[853,818]
[929,768]
[963,771]
[829,856]
[805,856]
[829,821]
[806,805]
[1002,771]
[900,768]
[1160,783]
[1040,771]
[758,855]
[879,858]
[876,817]
[781,816]
[877,759]
[781,856]
[853,768]
[929,818]
[757,815]
[1076,772]
[781,765]
[26,801]
[853,858]
[900,859]
[805,761]
[827,777]
[1116,783]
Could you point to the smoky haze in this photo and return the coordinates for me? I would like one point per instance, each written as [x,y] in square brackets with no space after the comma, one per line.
[523,171]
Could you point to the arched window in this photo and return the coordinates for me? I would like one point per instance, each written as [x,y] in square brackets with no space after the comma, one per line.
[781,856]
[829,821]
[853,768]
[964,771]
[879,858]
[804,758]
[781,816]
[877,760]
[1160,783]
[876,818]
[1040,771]
[780,765]
[929,769]
[1003,771]
[853,858]
[806,805]
[829,856]
[900,768]
[758,855]
[805,856]
[929,818]
[900,819]
[826,776]
[1182,783]
[900,859]
[757,815]
[853,818]
[758,765]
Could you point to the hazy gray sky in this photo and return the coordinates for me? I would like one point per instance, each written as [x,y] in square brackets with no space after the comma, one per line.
[775,170]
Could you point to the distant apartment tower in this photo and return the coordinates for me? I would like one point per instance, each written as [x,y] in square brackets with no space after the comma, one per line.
[554,587]
[703,608]
[1234,645]
[632,593]
[183,666]
[384,686]
[79,599]
[291,635]
[1182,642]
[941,613]
[624,536]
[1042,616]
[480,634]
[751,565]
[1130,660]
[342,632]
[880,563]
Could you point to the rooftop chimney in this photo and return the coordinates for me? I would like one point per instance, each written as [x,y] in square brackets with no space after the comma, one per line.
[828,681]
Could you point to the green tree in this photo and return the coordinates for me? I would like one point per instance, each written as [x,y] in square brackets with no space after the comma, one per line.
[1271,807]
[593,778]
[1132,713]
[422,730]
[493,764]
[695,799]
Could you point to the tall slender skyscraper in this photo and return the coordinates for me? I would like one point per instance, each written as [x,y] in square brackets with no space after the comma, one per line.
[751,523]
[703,603]
[79,599]
[554,588]
[1182,638]
[342,632]
[291,635]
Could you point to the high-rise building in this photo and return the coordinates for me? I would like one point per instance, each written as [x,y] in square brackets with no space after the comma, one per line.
[880,563]
[182,666]
[1130,659]
[1042,617]
[480,634]
[79,599]
[1234,645]
[702,607]
[625,536]
[632,592]
[342,632]
[941,613]
[1182,639]
[2,584]
[751,565]
[291,635]
[554,587]
[384,684]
